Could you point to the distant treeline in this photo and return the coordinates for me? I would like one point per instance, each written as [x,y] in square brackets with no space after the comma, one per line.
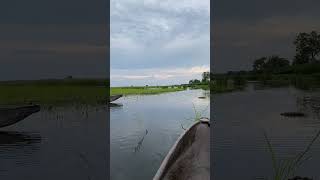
[305,61]
[302,71]
[204,81]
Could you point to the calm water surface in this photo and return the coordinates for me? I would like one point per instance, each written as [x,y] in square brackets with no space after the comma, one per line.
[64,143]
[143,129]
[240,120]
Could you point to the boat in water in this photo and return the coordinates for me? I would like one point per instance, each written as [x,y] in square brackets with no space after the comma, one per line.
[12,115]
[114,97]
[189,158]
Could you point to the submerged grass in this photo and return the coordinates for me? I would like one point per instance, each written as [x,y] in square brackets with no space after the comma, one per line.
[284,169]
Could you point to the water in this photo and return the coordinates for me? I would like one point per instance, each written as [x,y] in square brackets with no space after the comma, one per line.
[143,129]
[64,143]
[240,120]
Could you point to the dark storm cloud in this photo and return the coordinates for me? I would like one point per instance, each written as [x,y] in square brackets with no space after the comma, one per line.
[52,51]
[53,39]
[248,29]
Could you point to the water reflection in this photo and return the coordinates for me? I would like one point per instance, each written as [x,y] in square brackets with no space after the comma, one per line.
[17,139]
[144,128]
[238,137]
[17,147]
[310,104]
[59,142]
[115,105]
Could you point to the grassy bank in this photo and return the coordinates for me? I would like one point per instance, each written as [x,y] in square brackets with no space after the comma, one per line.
[54,92]
[144,90]
[305,77]
[300,81]
[223,84]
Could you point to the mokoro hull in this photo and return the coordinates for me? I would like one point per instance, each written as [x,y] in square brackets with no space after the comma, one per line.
[12,115]
[115,97]
[293,114]
[189,158]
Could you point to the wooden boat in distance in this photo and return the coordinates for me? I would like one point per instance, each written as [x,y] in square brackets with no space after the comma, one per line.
[12,115]
[293,114]
[189,158]
[115,97]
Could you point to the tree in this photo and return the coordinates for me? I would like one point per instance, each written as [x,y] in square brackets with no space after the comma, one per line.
[276,63]
[270,64]
[307,47]
[194,81]
[259,64]
[205,77]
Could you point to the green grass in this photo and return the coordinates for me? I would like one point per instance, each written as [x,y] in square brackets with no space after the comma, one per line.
[224,85]
[143,90]
[53,92]
[286,168]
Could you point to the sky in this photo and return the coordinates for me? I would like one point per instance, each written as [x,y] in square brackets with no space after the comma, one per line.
[152,41]
[248,29]
[158,42]
[53,39]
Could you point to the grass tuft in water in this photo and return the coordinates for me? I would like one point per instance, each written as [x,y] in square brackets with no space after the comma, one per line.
[286,168]
[198,114]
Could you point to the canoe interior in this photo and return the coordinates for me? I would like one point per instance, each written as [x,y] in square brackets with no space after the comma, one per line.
[12,115]
[189,158]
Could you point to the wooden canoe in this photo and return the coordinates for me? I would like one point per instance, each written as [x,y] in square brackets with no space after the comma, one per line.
[189,158]
[293,114]
[12,115]
[114,97]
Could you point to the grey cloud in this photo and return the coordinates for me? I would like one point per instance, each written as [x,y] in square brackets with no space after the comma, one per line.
[152,27]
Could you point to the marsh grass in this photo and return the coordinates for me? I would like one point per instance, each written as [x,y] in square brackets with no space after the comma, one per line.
[52,95]
[286,168]
[225,84]
[143,90]
[54,92]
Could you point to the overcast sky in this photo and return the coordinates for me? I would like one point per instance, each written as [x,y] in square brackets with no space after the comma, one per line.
[53,39]
[248,29]
[159,42]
